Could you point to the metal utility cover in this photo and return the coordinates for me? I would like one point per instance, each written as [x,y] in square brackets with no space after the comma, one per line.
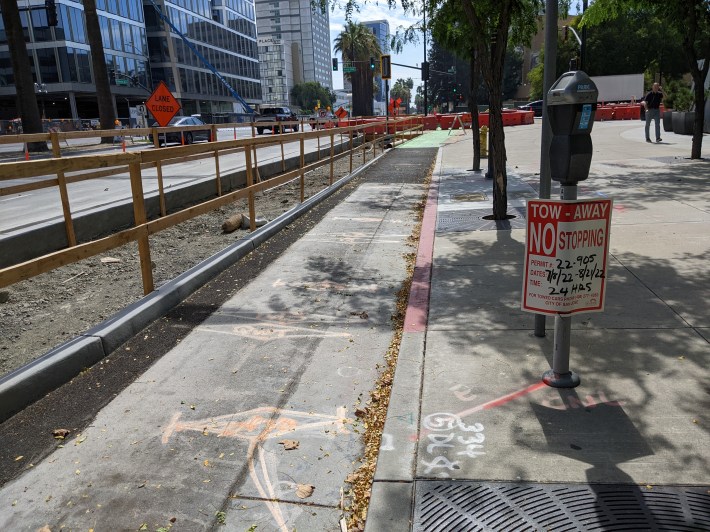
[515,507]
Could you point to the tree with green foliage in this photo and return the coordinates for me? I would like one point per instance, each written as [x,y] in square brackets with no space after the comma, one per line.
[403,89]
[687,20]
[357,43]
[490,25]
[307,95]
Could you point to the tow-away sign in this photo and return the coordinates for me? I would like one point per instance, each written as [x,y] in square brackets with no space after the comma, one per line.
[566,248]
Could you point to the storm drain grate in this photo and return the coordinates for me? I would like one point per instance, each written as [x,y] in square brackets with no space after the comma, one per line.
[459,506]
[472,220]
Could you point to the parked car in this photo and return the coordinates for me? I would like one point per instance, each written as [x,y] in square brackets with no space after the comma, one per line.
[535,106]
[188,137]
[275,114]
[324,120]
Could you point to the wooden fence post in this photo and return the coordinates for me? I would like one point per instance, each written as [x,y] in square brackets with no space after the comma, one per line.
[250,182]
[159,169]
[140,219]
[303,160]
[63,192]
[332,155]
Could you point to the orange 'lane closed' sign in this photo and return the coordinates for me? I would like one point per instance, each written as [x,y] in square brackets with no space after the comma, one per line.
[162,104]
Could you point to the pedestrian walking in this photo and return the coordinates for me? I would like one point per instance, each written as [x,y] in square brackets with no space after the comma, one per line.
[652,103]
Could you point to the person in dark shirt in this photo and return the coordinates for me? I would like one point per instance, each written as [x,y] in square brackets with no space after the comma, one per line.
[652,102]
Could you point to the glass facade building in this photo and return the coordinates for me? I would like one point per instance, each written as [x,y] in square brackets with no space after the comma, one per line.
[381,29]
[140,50]
[294,47]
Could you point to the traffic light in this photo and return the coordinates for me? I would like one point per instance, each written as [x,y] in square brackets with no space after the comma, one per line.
[372,63]
[386,66]
[335,64]
[425,71]
[50,7]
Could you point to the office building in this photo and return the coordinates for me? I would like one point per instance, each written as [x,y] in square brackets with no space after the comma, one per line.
[141,49]
[294,47]
[381,29]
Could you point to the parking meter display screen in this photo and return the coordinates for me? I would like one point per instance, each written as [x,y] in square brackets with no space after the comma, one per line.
[562,83]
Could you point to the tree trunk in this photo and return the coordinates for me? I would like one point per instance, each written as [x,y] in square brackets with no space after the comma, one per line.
[473,108]
[699,97]
[26,99]
[104,98]
[362,90]
[497,151]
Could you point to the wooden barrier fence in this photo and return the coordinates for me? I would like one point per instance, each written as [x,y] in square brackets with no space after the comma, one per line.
[94,166]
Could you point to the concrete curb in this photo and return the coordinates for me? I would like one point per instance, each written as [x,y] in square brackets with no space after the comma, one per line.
[27,384]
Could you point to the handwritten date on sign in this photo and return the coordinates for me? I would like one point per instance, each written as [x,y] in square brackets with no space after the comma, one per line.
[570,277]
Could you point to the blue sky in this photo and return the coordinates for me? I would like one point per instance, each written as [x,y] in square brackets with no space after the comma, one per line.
[413,54]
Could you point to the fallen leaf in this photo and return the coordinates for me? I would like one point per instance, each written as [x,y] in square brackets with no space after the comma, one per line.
[79,439]
[19,458]
[303,491]
[206,463]
[352,478]
[359,412]
[60,434]
[289,444]
[681,358]
[45,528]
[649,487]
[144,526]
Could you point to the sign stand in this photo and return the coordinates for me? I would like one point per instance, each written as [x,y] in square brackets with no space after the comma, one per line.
[560,375]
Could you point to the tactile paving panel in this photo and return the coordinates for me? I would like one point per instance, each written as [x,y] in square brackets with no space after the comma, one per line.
[462,506]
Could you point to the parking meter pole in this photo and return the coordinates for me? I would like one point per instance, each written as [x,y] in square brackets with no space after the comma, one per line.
[570,104]
[560,376]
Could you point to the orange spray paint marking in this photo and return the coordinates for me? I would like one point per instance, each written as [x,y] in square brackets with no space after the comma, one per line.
[256,426]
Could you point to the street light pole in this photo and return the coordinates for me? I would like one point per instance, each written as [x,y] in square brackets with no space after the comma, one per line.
[426,99]
[41,89]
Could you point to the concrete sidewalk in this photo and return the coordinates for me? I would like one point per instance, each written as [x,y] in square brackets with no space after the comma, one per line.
[257,402]
[255,406]
[473,439]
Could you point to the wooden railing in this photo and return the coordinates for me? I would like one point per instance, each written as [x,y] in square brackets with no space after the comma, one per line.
[83,167]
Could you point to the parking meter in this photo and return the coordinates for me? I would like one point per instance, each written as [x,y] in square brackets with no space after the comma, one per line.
[571,103]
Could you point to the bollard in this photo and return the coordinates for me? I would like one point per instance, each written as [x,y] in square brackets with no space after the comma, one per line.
[483,136]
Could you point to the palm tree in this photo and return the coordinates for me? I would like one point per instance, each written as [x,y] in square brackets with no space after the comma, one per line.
[104,98]
[358,44]
[24,84]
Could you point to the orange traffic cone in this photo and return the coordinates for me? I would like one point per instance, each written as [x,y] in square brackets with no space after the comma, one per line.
[27,153]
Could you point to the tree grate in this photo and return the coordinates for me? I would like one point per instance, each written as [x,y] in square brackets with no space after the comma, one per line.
[460,220]
[462,506]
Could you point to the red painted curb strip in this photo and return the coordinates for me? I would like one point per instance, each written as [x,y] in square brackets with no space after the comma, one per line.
[417,314]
